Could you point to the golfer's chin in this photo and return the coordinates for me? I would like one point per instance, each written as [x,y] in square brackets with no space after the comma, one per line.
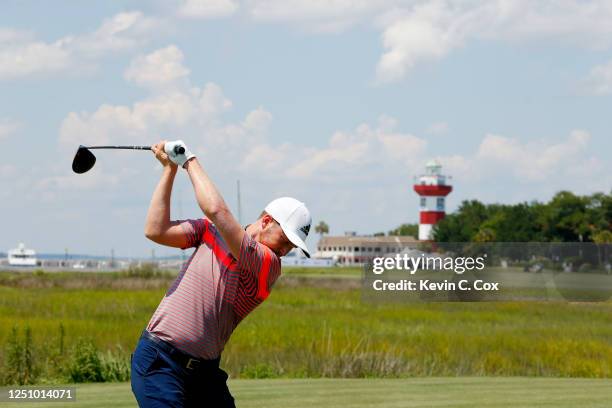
[278,251]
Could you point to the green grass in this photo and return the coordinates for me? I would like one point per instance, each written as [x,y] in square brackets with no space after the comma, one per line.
[464,392]
[320,328]
[337,272]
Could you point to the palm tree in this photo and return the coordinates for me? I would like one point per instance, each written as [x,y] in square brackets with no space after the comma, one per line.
[322,228]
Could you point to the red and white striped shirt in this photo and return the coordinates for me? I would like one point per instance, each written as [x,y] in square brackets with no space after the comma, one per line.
[213,291]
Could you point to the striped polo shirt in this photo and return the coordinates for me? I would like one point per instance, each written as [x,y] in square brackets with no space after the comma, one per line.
[214,291]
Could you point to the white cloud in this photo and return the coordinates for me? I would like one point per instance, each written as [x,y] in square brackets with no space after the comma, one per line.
[421,31]
[202,9]
[577,22]
[138,123]
[599,80]
[32,58]
[369,156]
[121,32]
[163,67]
[535,160]
[317,15]
[506,169]
[412,31]
[438,128]
[429,32]
[172,108]
[433,29]
[501,159]
[193,114]
[212,101]
[9,35]
[22,55]
[363,154]
[258,120]
[7,171]
[463,167]
[8,127]
[370,169]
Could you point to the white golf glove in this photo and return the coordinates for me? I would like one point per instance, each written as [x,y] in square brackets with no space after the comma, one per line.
[177,152]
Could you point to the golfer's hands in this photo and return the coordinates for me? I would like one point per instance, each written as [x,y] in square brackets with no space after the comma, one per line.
[177,152]
[160,154]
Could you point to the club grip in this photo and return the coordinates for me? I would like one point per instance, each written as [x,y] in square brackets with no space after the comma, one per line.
[179,149]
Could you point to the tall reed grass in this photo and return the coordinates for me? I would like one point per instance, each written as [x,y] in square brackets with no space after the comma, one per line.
[315,328]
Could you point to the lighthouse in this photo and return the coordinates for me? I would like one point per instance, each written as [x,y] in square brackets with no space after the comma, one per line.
[432,188]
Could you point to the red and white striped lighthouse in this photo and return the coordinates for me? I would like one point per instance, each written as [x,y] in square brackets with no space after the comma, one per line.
[432,188]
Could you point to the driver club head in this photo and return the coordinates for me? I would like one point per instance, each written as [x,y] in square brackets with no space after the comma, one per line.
[83,161]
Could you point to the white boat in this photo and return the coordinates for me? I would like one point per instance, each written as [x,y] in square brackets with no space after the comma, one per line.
[21,256]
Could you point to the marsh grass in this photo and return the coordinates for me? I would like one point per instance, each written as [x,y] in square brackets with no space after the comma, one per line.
[319,328]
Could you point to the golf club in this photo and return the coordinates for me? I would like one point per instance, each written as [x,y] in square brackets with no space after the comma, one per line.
[84,159]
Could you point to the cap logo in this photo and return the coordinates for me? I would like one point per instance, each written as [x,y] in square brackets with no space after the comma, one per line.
[305,229]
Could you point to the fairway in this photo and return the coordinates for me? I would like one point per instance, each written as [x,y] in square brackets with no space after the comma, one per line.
[465,392]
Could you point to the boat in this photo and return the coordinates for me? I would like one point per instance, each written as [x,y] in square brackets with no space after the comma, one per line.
[22,256]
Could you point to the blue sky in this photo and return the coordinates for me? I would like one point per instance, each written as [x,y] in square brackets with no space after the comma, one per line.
[339,103]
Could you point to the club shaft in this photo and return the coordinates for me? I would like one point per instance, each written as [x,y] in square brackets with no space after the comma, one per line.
[119,147]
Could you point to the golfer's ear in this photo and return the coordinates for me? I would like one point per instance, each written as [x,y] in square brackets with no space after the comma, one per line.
[266,220]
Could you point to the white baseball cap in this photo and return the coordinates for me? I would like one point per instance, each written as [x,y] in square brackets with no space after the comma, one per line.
[294,218]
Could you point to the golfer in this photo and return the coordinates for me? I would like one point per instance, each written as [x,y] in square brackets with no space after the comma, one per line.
[231,271]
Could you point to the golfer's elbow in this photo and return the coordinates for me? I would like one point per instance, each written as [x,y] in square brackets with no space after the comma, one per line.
[151,235]
[153,232]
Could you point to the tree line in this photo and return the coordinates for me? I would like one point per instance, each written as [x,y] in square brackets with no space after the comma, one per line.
[567,217]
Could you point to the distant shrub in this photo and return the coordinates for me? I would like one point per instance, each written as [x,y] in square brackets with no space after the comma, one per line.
[19,365]
[146,271]
[86,365]
[356,358]
[89,365]
[55,359]
[260,370]
[115,367]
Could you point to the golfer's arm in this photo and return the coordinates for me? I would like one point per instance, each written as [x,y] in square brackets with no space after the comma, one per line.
[212,204]
[158,227]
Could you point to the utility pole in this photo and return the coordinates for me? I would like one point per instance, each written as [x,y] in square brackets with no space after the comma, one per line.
[239,205]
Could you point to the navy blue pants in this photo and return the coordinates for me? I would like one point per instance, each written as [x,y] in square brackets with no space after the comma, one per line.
[159,381]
